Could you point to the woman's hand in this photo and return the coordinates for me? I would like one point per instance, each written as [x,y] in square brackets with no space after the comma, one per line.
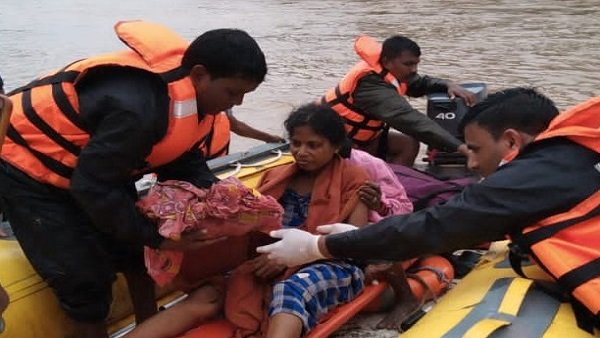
[266,269]
[370,194]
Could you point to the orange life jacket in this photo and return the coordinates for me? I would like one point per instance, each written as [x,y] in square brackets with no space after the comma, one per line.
[216,143]
[567,245]
[359,126]
[46,134]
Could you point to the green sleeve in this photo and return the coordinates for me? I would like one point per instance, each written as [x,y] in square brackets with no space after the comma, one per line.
[381,100]
[422,85]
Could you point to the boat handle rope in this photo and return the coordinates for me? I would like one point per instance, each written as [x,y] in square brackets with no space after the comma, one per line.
[238,168]
[263,163]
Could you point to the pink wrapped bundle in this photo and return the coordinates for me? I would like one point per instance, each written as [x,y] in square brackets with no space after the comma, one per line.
[228,208]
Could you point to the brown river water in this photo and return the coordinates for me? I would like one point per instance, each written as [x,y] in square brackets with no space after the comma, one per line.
[552,45]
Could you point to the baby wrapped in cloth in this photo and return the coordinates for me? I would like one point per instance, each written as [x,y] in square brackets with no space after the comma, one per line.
[227,208]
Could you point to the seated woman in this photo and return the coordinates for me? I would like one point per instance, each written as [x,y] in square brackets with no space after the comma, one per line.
[320,187]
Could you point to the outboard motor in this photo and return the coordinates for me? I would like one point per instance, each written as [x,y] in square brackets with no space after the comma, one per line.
[448,114]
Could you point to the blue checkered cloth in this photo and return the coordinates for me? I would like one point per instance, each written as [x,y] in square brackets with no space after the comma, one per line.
[314,290]
[295,208]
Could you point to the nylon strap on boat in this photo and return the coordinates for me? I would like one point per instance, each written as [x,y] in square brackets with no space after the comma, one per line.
[517,291]
[485,328]
[510,308]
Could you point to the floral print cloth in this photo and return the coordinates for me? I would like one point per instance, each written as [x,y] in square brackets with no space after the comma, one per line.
[228,208]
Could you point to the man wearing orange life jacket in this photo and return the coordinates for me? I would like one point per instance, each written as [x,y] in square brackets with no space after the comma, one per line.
[542,189]
[81,136]
[371,98]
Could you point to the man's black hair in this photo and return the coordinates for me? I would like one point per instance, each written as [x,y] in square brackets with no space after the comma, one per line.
[395,45]
[227,53]
[520,108]
[320,118]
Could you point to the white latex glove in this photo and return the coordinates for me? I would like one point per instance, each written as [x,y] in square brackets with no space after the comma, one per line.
[335,228]
[296,247]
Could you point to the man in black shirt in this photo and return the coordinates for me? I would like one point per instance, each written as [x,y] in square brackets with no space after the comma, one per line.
[529,178]
[77,222]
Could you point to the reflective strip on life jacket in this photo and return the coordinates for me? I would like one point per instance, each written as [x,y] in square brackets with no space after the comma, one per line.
[359,126]
[46,133]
